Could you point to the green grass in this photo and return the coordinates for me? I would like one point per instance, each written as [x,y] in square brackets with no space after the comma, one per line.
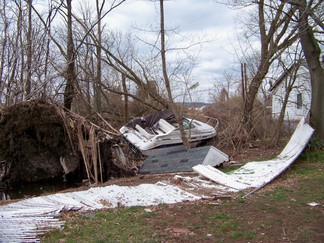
[221,216]
[122,225]
[249,235]
[312,157]
[279,194]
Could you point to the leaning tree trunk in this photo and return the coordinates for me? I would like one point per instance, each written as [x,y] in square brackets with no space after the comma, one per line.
[246,126]
[247,116]
[312,54]
[167,81]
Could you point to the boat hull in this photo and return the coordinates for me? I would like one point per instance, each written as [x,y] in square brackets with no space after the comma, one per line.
[166,138]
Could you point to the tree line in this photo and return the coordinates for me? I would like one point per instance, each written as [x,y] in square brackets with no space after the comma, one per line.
[51,50]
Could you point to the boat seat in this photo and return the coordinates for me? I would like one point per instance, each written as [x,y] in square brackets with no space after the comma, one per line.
[144,132]
[165,126]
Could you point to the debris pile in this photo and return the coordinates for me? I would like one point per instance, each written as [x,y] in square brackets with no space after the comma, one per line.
[41,140]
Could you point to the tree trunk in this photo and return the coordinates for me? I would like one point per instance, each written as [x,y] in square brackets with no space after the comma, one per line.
[251,92]
[273,43]
[47,55]
[69,92]
[97,91]
[312,54]
[3,46]
[9,97]
[125,91]
[247,119]
[172,105]
[29,49]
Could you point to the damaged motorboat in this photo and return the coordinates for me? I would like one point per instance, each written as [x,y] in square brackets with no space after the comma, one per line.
[160,133]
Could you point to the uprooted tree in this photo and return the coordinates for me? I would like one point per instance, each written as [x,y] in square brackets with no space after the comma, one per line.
[41,141]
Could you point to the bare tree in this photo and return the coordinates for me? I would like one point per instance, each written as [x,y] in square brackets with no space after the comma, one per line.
[278,29]
[94,28]
[20,64]
[69,53]
[276,35]
[137,71]
[167,81]
[310,45]
[11,85]
[4,42]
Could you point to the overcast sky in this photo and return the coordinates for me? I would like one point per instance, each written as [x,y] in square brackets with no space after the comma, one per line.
[210,21]
[204,20]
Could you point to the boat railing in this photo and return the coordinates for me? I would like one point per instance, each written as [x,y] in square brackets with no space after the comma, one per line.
[212,119]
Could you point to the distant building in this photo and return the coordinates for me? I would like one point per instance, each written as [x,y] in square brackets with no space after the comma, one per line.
[296,78]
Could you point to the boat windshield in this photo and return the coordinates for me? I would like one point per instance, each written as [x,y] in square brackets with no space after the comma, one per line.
[188,124]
